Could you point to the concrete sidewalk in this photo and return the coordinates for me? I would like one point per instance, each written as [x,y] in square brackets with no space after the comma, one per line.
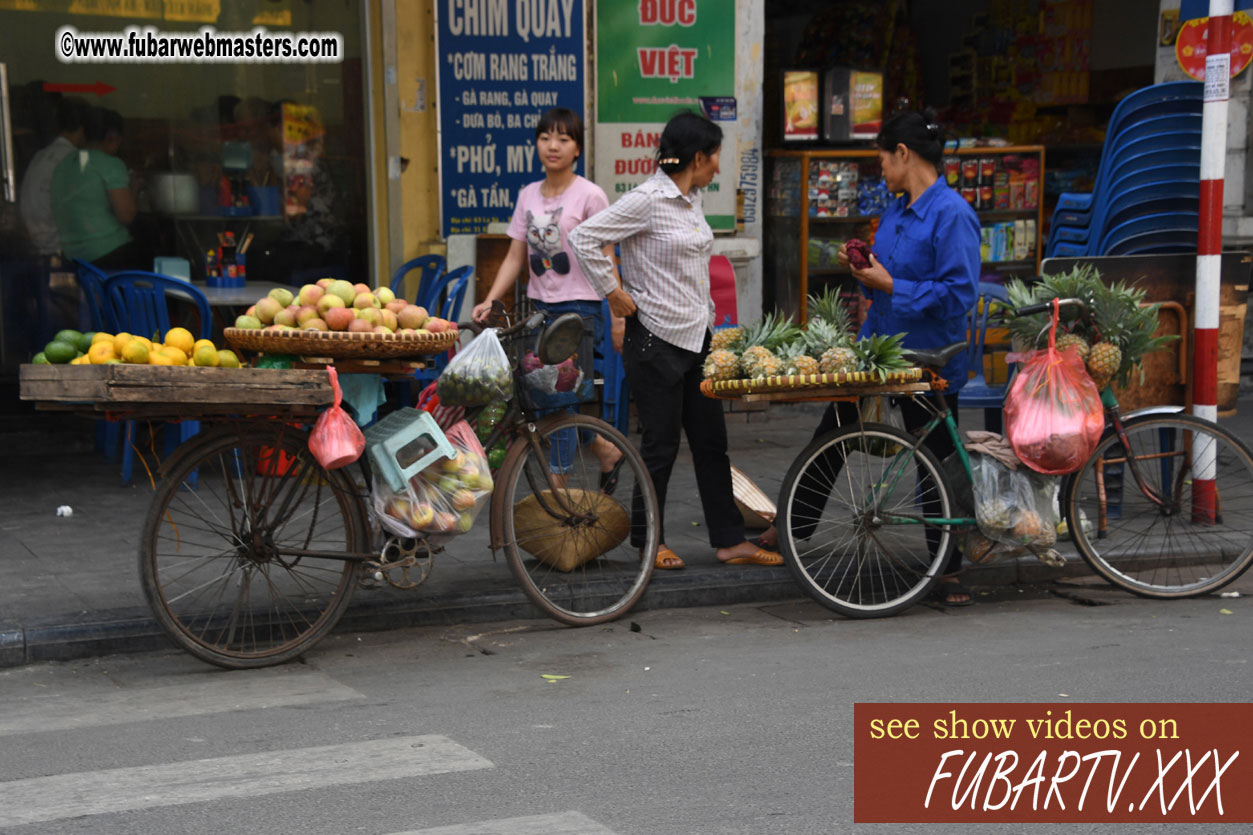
[69,586]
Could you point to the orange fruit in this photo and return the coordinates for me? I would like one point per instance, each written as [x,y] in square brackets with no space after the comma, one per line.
[119,342]
[181,339]
[135,352]
[176,355]
[101,352]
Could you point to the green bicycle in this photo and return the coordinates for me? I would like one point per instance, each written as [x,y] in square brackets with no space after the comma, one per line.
[867,534]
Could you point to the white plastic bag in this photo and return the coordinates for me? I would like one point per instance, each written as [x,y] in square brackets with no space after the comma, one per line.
[1014,508]
[478,374]
[877,408]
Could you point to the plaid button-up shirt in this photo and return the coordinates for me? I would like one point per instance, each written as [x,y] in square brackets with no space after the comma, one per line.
[666,245]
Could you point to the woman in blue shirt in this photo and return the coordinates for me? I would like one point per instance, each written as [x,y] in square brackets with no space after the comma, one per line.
[922,280]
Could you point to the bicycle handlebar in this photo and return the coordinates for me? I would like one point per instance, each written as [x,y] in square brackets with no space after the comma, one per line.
[1046,307]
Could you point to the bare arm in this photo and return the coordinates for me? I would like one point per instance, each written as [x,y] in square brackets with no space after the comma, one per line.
[123,202]
[506,276]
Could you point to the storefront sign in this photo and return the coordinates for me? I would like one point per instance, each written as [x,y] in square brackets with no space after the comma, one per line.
[502,64]
[1191,46]
[654,58]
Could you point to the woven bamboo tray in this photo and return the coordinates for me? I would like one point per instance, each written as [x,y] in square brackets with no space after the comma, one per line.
[816,387]
[341,343]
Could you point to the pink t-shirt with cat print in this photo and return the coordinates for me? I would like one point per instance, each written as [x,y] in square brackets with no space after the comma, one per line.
[544,223]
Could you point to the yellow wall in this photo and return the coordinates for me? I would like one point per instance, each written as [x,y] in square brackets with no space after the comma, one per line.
[415,56]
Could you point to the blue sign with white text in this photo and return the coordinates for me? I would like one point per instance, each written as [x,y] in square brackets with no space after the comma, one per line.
[502,64]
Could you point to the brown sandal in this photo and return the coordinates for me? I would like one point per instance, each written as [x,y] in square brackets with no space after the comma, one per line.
[668,560]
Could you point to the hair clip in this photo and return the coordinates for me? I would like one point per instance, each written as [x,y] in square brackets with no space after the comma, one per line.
[668,161]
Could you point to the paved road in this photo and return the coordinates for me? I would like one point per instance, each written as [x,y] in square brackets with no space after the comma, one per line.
[705,720]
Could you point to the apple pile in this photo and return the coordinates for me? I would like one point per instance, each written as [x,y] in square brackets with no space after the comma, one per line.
[337,305]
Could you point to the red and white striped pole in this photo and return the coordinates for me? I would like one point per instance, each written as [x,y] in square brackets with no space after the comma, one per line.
[1209,252]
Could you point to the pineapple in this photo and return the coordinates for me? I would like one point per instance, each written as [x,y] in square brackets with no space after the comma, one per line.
[838,359]
[880,354]
[1074,340]
[829,343]
[722,365]
[796,361]
[761,340]
[1103,363]
[727,339]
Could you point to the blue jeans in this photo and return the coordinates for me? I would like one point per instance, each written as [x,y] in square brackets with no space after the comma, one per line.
[561,459]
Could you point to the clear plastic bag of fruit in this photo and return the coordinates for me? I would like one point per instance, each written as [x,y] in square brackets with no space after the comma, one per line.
[1014,508]
[443,500]
[478,374]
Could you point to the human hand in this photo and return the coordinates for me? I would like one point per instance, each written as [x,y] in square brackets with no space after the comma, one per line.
[481,310]
[621,303]
[874,277]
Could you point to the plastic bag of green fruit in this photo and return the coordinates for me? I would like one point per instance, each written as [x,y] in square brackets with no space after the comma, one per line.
[477,375]
[443,500]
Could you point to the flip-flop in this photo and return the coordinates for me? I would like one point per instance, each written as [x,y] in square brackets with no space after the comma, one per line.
[668,560]
[609,480]
[947,589]
[759,557]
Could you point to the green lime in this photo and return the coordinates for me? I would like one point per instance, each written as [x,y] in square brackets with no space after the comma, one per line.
[59,352]
[68,335]
[40,359]
[84,341]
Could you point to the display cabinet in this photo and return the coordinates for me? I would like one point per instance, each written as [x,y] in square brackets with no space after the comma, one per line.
[818,199]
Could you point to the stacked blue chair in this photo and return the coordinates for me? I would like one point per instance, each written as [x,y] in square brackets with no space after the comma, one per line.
[97,316]
[140,304]
[444,299]
[432,267]
[1150,166]
[978,393]
[615,402]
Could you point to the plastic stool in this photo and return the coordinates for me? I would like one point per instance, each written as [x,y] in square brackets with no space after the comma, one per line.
[396,438]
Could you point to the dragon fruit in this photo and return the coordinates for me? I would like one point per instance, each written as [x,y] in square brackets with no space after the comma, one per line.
[530,363]
[567,375]
[858,253]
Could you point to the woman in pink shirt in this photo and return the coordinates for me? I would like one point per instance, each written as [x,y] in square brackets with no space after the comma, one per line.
[545,214]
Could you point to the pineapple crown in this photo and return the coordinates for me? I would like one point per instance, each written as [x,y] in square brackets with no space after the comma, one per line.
[880,354]
[821,335]
[827,307]
[770,332]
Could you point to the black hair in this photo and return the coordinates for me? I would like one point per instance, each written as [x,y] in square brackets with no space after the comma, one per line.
[917,131]
[562,120]
[684,135]
[71,113]
[100,122]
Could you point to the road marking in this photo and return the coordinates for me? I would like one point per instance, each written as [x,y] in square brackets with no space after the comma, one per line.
[250,775]
[565,823]
[220,694]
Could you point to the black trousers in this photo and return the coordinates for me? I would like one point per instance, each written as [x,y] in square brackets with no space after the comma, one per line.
[915,418]
[665,380]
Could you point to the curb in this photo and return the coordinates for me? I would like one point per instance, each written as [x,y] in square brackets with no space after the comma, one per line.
[117,631]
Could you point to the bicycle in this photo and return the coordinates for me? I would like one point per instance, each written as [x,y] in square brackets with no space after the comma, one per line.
[867,534]
[251,550]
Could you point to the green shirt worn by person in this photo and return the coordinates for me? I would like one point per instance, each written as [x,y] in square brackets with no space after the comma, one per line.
[81,207]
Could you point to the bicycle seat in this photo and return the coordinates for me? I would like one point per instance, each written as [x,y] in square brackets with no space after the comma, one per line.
[934,357]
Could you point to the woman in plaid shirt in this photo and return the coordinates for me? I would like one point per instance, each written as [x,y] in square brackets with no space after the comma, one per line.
[666,245]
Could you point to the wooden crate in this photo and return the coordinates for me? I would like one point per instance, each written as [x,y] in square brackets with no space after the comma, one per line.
[175,390]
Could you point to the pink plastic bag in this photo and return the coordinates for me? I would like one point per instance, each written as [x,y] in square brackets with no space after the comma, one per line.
[336,440]
[1053,413]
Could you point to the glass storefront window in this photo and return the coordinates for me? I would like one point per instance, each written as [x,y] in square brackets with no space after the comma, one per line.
[277,150]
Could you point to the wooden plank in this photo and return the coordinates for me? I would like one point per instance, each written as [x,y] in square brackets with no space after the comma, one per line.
[258,388]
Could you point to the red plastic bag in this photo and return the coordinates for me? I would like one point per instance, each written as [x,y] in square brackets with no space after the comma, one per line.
[445,416]
[1053,413]
[336,440]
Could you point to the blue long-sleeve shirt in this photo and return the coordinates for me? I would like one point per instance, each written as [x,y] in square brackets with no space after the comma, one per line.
[931,250]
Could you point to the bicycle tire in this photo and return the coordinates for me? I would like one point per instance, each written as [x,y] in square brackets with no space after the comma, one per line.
[232,598]
[849,559]
[1154,552]
[539,547]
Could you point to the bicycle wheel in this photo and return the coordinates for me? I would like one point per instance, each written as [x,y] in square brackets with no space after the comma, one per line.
[247,557]
[1172,549]
[581,556]
[850,520]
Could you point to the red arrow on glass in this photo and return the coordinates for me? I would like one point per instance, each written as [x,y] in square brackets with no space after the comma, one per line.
[99,88]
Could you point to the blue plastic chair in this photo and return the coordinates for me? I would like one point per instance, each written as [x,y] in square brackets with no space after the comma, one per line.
[978,393]
[1174,223]
[432,266]
[91,280]
[446,297]
[1160,242]
[140,302]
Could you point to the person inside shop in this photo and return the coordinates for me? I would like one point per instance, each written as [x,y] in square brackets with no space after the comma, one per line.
[922,281]
[93,198]
[543,218]
[666,245]
[35,196]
